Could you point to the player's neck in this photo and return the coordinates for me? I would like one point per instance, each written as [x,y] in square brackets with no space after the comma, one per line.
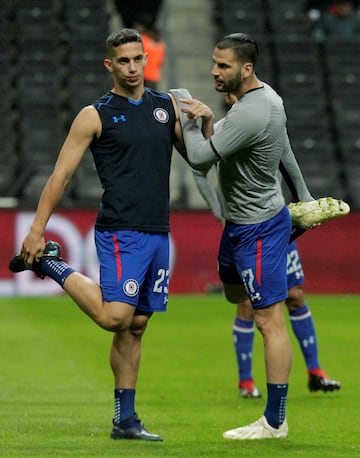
[249,85]
[130,93]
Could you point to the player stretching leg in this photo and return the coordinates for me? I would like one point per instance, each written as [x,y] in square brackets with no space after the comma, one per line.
[131,131]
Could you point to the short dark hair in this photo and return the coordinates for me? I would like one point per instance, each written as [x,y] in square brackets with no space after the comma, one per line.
[122,37]
[244,46]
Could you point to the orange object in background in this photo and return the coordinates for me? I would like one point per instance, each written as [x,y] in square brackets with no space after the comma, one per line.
[156,50]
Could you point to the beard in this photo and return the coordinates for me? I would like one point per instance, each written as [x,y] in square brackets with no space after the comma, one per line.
[232,85]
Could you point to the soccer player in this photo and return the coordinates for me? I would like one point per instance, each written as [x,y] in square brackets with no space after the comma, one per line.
[300,315]
[130,131]
[250,144]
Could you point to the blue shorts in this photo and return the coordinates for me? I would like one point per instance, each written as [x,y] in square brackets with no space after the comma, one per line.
[255,255]
[294,270]
[134,268]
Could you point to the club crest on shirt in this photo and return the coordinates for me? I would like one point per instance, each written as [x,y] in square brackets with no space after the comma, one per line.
[131,287]
[161,115]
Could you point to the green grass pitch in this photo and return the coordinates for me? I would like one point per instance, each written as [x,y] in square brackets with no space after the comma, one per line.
[56,393]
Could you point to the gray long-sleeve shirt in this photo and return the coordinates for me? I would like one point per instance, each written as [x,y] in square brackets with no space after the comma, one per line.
[250,142]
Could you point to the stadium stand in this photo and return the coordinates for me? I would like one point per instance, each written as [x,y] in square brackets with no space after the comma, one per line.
[8,158]
[248,16]
[86,25]
[51,54]
[287,20]
[300,81]
[344,84]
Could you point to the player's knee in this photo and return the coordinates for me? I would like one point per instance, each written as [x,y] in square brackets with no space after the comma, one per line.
[120,321]
[270,320]
[244,310]
[295,297]
[139,325]
[113,323]
[137,332]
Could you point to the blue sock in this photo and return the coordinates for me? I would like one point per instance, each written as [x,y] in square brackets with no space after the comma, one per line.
[275,410]
[57,270]
[304,329]
[243,334]
[124,404]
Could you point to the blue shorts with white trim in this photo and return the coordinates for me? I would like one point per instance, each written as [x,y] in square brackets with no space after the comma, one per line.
[256,255]
[134,268]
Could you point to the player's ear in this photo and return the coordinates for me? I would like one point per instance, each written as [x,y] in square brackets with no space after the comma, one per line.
[248,68]
[108,65]
[146,57]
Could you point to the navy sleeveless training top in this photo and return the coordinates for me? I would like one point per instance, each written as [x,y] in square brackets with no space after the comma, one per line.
[132,157]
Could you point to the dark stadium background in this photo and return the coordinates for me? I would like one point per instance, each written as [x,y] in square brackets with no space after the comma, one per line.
[51,54]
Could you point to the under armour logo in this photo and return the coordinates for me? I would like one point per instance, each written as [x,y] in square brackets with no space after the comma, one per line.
[116,119]
[245,356]
[255,297]
[309,341]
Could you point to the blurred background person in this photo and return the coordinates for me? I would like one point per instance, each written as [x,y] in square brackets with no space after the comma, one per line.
[155,47]
[339,19]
